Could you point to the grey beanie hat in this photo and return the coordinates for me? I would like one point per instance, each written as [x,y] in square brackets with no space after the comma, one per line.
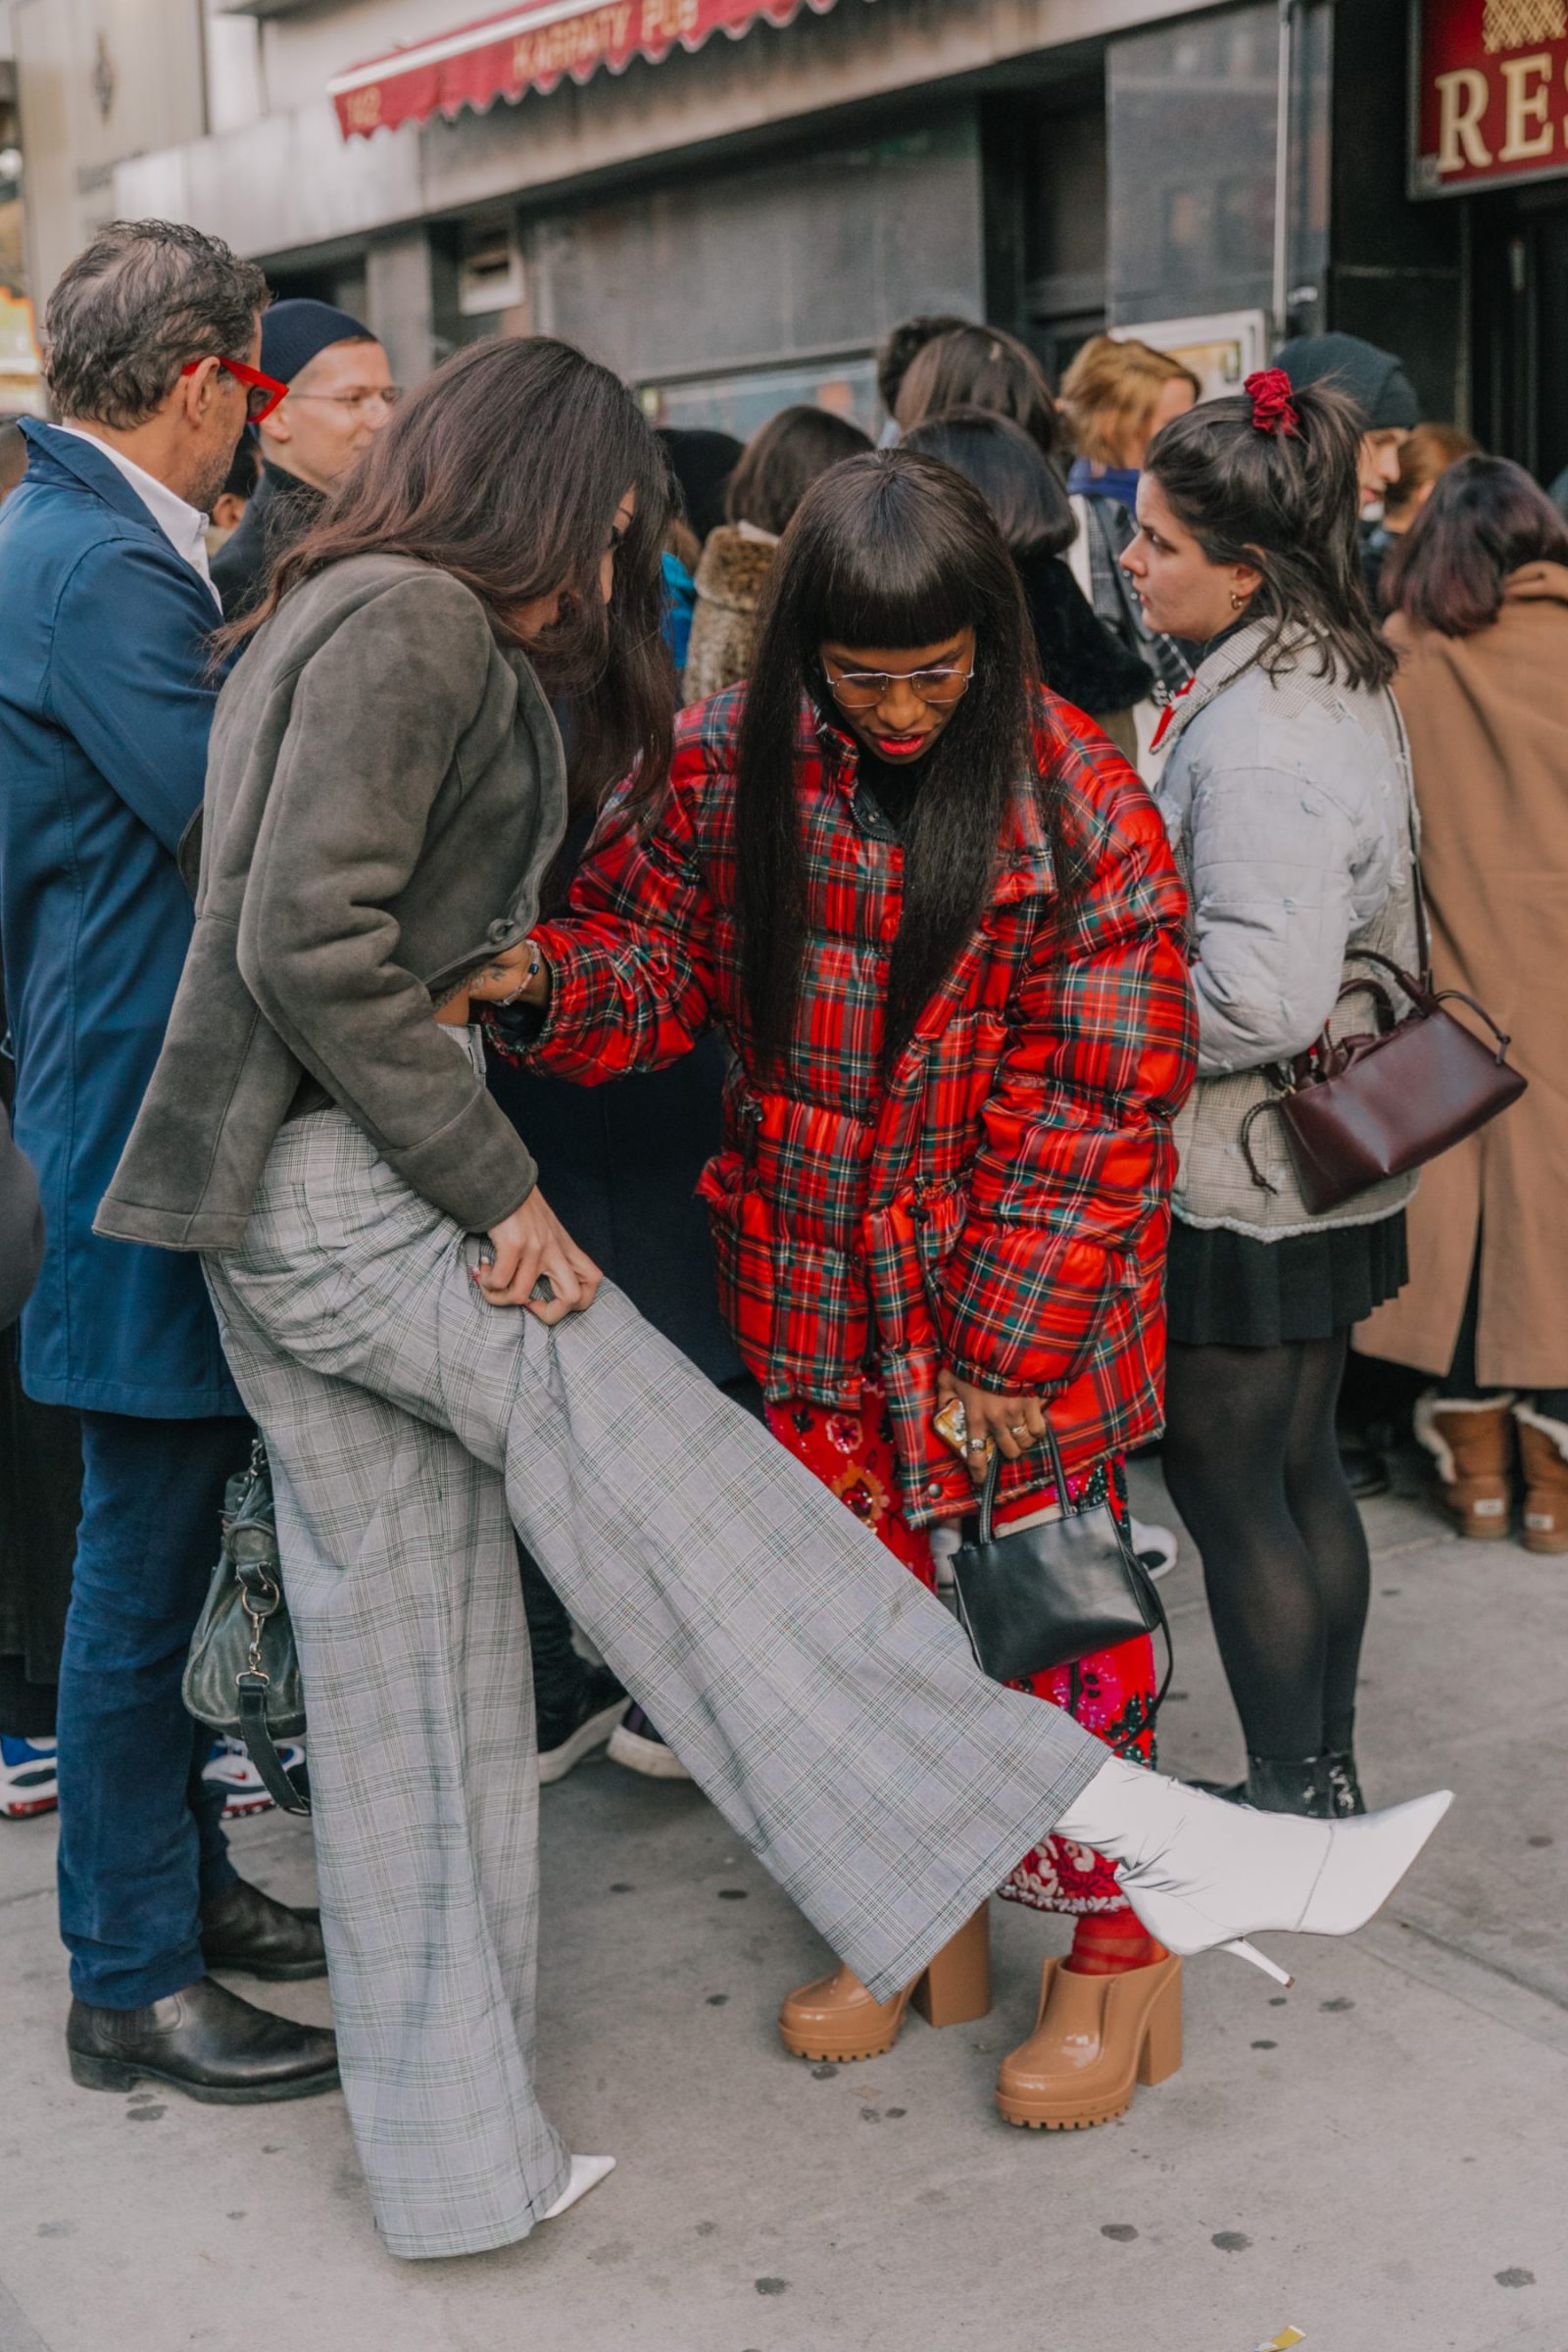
[1374,379]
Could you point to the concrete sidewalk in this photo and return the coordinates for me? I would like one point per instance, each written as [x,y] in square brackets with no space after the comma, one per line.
[1376,2158]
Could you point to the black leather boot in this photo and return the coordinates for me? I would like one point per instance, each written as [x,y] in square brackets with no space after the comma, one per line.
[1280,1785]
[243,1927]
[205,2042]
[1288,1785]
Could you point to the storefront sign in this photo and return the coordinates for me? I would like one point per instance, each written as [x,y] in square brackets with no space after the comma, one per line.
[1490,98]
[531,48]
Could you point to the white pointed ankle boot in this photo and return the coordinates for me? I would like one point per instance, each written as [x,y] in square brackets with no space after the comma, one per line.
[1200,1871]
[586,2172]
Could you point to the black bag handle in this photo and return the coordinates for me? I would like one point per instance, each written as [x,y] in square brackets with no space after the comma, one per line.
[288,1796]
[1148,1591]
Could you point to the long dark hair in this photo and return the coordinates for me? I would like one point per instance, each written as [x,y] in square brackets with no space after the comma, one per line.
[1286,503]
[505,469]
[783,458]
[1020,486]
[889,550]
[980,367]
[1484,518]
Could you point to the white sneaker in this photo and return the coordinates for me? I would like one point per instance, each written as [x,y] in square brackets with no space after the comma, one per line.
[586,2172]
[635,1743]
[28,1778]
[1201,1871]
[1156,1546]
[229,1767]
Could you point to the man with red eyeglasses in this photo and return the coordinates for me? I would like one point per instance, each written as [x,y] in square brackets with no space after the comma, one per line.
[106,701]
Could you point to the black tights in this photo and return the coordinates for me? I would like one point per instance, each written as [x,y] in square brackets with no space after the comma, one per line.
[1254,1467]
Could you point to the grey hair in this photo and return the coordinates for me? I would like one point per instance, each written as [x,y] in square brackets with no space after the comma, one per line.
[144,298]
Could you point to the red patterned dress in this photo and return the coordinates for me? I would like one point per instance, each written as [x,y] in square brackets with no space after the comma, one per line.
[1110,1694]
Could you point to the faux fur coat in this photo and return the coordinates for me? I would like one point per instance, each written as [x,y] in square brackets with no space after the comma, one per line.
[729,588]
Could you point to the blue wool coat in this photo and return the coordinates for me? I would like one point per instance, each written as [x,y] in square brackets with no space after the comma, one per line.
[105,705]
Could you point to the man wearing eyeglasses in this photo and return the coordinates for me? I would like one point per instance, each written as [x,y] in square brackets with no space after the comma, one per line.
[105,701]
[341,394]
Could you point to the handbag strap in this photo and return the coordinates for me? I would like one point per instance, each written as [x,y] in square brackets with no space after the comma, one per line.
[254,1728]
[1423,925]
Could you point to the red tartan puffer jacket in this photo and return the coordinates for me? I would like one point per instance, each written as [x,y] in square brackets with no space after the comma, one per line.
[998,1203]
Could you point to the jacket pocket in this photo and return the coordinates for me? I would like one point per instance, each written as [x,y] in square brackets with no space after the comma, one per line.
[796,1306]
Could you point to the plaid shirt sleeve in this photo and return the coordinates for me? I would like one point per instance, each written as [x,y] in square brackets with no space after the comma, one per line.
[1076,1159]
[634,978]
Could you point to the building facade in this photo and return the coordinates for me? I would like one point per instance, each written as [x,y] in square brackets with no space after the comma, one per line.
[731,200]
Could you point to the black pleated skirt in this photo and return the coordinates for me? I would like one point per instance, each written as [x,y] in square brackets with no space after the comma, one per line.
[1227,1289]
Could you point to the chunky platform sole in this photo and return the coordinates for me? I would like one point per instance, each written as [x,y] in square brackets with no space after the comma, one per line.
[1062,2104]
[90,2072]
[954,1991]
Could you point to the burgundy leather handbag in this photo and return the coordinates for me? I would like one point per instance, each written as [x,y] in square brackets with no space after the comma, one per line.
[1371,1106]
[1380,1104]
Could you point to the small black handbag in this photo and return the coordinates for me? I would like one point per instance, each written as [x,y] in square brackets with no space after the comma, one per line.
[1048,1595]
[243,1677]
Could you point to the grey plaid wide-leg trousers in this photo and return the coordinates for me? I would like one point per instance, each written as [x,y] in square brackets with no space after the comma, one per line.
[825,1703]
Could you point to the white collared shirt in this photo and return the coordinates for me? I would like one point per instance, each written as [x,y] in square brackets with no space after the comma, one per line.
[183,526]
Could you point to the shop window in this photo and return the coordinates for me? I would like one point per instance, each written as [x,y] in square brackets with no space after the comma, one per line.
[739,402]
[1192,112]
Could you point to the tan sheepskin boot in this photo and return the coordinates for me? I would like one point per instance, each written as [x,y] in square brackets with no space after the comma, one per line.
[1471,1440]
[1544,1450]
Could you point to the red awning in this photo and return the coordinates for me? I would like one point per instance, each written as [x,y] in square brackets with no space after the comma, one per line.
[530,48]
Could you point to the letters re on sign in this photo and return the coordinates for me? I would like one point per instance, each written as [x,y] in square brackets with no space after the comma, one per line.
[1491,95]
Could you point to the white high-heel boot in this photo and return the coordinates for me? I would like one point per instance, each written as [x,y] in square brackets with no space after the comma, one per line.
[1200,1871]
[586,2172]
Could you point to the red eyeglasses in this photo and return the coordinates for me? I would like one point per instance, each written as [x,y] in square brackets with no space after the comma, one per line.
[262,392]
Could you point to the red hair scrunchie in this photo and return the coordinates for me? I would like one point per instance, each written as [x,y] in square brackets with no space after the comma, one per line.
[1273,410]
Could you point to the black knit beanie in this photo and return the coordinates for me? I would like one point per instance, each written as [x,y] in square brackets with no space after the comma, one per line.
[1374,379]
[294,332]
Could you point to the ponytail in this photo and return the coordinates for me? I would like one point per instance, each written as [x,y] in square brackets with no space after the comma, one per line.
[1269,477]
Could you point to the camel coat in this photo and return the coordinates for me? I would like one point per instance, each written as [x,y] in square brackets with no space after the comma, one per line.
[1487,720]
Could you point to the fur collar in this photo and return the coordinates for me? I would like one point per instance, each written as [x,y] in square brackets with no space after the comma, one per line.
[732,570]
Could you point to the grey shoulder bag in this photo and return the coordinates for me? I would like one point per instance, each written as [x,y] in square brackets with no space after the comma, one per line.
[243,1677]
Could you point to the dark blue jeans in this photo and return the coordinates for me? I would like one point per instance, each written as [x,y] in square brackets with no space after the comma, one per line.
[141,1841]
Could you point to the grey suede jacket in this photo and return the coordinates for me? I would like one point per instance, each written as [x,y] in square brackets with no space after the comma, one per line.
[385,790]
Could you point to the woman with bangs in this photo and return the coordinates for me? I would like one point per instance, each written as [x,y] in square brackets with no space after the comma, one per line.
[935,915]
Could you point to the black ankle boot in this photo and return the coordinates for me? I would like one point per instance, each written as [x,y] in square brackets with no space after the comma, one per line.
[1282,1784]
[1288,1785]
[1344,1786]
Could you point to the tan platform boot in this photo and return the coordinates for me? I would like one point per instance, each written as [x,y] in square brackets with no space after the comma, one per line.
[837,2018]
[1544,1450]
[1471,1440]
[1094,2038]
